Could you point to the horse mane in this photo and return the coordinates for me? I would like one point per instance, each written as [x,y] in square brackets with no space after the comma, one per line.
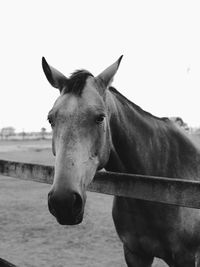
[76,82]
[136,107]
[182,135]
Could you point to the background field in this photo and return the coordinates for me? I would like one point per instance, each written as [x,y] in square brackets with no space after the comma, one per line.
[31,237]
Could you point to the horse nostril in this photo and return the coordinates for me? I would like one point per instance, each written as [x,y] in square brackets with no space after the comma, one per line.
[66,207]
[78,204]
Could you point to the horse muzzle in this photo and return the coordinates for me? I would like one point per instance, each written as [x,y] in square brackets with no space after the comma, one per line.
[68,208]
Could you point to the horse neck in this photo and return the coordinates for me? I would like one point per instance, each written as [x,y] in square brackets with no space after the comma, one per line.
[144,144]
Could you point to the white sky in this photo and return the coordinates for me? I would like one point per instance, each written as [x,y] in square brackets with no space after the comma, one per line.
[160,41]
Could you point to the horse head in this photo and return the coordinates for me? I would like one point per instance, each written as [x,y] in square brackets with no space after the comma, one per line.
[81,139]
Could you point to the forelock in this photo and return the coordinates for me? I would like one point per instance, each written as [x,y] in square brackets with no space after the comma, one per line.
[76,82]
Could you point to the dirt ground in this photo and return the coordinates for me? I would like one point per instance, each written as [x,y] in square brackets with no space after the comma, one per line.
[31,237]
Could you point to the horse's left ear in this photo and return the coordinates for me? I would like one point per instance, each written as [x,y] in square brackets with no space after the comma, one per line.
[106,77]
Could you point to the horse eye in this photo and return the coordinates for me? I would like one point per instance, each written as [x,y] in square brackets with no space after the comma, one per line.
[100,119]
[50,121]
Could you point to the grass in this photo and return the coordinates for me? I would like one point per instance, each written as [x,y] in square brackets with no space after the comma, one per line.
[31,237]
[34,151]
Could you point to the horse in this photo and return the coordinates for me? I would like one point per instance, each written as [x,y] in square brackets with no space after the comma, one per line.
[94,126]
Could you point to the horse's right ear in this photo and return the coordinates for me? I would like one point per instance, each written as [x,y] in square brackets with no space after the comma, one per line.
[56,78]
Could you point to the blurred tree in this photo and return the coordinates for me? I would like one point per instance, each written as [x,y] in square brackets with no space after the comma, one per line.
[179,121]
[22,134]
[7,131]
[43,132]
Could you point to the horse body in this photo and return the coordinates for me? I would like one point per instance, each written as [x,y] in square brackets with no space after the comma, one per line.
[94,126]
[157,148]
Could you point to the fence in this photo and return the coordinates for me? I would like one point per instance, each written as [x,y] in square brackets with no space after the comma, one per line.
[162,190]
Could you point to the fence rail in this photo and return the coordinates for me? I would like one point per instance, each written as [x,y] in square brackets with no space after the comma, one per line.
[157,189]
[162,190]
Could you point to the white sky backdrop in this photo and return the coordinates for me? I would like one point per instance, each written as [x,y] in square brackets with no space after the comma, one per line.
[160,41]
